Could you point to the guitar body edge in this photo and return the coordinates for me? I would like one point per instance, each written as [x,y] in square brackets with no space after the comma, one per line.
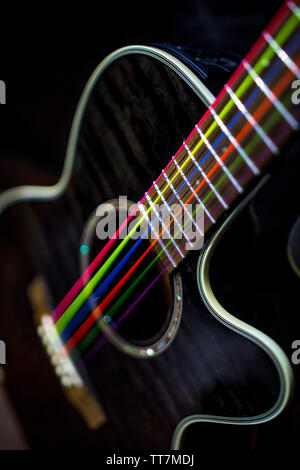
[48,193]
[271,348]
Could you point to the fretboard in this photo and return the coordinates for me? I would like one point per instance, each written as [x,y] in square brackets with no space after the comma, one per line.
[231,145]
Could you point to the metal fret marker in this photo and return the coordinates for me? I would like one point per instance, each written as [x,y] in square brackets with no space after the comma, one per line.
[242,152]
[271,96]
[290,64]
[274,149]
[224,168]
[195,194]
[206,178]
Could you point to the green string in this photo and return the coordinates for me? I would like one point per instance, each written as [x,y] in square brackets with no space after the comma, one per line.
[70,312]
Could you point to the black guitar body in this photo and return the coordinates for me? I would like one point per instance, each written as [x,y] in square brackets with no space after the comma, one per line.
[137,116]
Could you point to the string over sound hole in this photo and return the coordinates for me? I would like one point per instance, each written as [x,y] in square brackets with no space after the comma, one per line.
[131,316]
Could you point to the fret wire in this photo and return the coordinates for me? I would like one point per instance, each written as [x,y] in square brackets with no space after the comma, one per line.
[206,178]
[195,194]
[171,212]
[182,204]
[175,175]
[243,154]
[175,162]
[293,7]
[285,32]
[156,234]
[219,160]
[284,57]
[246,88]
[256,171]
[184,184]
[295,122]
[274,149]
[163,225]
[173,171]
[196,178]
[223,175]
[269,94]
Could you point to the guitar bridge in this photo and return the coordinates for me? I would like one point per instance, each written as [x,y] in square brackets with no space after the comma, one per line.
[75,390]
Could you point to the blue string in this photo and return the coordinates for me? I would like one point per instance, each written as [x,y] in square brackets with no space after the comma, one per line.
[95,297]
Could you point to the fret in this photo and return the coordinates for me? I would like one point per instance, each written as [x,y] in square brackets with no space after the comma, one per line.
[231,140]
[162,190]
[221,151]
[206,178]
[224,153]
[237,136]
[182,204]
[194,193]
[145,215]
[268,141]
[218,159]
[283,56]
[165,228]
[171,213]
[175,193]
[293,7]
[270,95]
[243,154]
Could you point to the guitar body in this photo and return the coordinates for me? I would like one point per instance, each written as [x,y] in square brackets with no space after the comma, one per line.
[136,110]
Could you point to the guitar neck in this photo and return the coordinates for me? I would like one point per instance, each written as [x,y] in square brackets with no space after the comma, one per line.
[241,132]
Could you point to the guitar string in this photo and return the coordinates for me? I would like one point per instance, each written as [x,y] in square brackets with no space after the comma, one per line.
[98,293]
[94,332]
[117,253]
[100,341]
[99,310]
[78,285]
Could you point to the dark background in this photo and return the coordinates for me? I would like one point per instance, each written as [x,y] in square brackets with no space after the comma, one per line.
[48,53]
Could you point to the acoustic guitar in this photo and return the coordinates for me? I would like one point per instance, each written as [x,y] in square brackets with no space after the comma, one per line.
[163,161]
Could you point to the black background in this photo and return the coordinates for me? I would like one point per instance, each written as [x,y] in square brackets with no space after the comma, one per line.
[49,51]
